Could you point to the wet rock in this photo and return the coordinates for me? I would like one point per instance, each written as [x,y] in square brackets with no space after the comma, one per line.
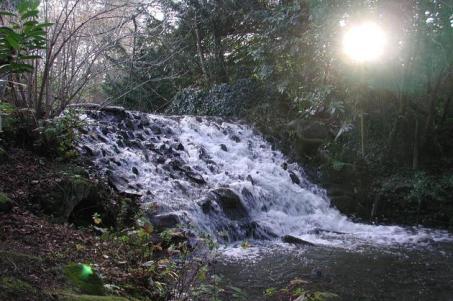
[294,178]
[89,151]
[206,206]
[117,111]
[250,179]
[135,170]
[160,160]
[285,166]
[197,178]
[179,147]
[156,129]
[144,121]
[223,147]
[203,154]
[116,181]
[247,195]
[235,138]
[164,221]
[289,239]
[230,203]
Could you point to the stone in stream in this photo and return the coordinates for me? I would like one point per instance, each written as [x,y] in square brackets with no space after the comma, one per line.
[230,203]
[289,239]
[294,178]
[163,221]
[135,170]
[89,151]
[223,147]
[156,129]
[235,138]
[195,177]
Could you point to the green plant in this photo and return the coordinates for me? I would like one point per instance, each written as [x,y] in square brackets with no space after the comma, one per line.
[22,38]
[57,137]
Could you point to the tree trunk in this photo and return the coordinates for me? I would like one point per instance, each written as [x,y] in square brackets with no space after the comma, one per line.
[222,75]
[200,51]
[415,154]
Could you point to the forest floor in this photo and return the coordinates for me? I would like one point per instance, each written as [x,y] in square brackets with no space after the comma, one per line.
[35,251]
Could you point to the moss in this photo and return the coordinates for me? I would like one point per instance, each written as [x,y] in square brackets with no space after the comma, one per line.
[15,289]
[74,297]
[84,279]
[19,258]
[5,203]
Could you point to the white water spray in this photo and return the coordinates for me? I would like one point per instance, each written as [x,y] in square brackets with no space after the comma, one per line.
[175,163]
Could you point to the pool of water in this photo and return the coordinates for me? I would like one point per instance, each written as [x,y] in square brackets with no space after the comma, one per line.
[368,273]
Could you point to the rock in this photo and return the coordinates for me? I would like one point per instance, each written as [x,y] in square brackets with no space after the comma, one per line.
[250,179]
[179,147]
[289,239]
[5,203]
[223,147]
[135,170]
[164,221]
[285,166]
[86,106]
[197,178]
[294,178]
[230,203]
[89,151]
[206,206]
[156,129]
[235,138]
[115,110]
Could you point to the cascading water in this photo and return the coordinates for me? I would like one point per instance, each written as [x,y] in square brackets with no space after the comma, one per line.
[221,178]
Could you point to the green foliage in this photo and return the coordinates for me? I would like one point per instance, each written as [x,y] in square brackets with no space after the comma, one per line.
[426,188]
[9,121]
[66,296]
[14,289]
[220,100]
[57,137]
[21,40]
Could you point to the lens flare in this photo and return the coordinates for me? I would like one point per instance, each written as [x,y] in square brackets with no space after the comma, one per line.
[364,42]
[86,271]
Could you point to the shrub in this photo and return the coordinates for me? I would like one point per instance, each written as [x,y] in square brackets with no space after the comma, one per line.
[57,137]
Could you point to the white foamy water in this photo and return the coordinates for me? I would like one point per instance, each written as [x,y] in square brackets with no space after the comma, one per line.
[175,163]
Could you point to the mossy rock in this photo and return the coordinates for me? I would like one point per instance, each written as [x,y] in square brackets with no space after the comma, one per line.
[65,197]
[15,289]
[5,203]
[74,297]
[85,279]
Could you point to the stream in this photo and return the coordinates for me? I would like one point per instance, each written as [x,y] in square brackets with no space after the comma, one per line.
[223,179]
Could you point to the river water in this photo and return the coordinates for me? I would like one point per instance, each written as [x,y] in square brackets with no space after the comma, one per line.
[223,179]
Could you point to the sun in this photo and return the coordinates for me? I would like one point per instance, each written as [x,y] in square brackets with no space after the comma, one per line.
[364,42]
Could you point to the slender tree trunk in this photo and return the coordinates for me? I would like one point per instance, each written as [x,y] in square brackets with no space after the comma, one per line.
[200,51]
[415,154]
[222,75]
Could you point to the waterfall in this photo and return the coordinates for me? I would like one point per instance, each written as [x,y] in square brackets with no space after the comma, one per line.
[222,178]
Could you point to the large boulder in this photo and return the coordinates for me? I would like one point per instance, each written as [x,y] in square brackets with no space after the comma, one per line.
[289,239]
[165,221]
[230,203]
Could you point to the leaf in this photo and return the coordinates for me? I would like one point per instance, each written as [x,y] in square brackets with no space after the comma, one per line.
[12,41]
[30,14]
[7,13]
